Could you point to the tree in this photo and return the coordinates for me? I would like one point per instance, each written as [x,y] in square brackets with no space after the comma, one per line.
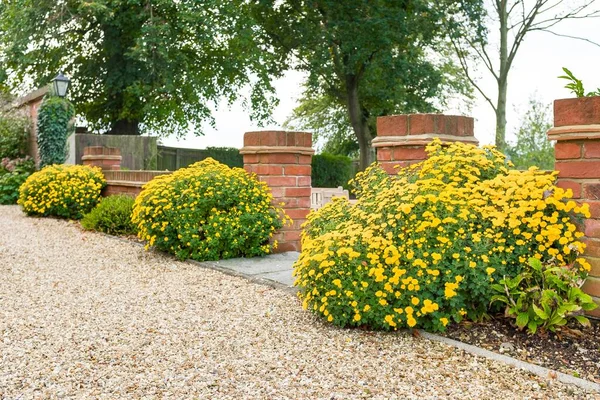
[532,147]
[514,19]
[138,65]
[370,57]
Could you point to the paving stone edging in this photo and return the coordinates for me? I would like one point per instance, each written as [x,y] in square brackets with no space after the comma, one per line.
[540,371]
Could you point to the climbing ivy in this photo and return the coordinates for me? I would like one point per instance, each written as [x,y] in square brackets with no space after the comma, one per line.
[54,127]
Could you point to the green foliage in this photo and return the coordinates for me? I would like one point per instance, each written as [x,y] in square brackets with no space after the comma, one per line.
[423,248]
[532,147]
[54,127]
[112,215]
[14,134]
[207,211]
[366,58]
[328,121]
[65,191]
[153,65]
[544,297]
[12,175]
[331,171]
[576,85]
[229,156]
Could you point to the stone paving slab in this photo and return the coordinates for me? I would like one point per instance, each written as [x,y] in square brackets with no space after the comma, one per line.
[274,267]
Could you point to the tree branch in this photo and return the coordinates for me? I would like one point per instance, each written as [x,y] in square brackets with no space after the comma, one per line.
[463,63]
[571,37]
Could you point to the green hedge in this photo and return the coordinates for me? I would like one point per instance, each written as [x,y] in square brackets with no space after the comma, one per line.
[329,170]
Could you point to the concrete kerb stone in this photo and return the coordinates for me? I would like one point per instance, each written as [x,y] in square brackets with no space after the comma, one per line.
[540,371]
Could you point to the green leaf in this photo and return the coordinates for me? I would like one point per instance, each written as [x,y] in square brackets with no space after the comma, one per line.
[532,327]
[522,319]
[582,320]
[540,313]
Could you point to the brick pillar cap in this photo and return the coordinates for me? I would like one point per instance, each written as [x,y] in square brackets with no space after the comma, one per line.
[575,132]
[419,140]
[276,150]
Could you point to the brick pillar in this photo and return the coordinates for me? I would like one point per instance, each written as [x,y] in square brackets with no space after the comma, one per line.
[401,139]
[282,160]
[577,151]
[107,158]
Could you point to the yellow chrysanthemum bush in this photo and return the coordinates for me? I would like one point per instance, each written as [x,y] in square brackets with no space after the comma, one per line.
[66,191]
[207,211]
[423,248]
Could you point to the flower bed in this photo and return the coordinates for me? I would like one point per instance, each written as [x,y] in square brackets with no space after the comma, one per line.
[425,248]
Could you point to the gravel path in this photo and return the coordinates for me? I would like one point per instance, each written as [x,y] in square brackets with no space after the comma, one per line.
[87,316]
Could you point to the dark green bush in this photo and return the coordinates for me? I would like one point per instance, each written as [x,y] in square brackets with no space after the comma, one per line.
[112,216]
[54,128]
[329,170]
[14,133]
[12,175]
[229,156]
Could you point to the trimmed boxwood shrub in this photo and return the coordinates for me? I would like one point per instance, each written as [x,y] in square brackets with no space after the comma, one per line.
[66,191]
[112,215]
[207,211]
[330,171]
[424,248]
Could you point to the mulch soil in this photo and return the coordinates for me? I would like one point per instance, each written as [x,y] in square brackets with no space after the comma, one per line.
[574,351]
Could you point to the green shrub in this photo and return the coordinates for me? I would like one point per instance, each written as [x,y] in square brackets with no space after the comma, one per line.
[229,156]
[544,297]
[424,248]
[54,127]
[12,175]
[14,133]
[331,171]
[112,215]
[66,191]
[207,211]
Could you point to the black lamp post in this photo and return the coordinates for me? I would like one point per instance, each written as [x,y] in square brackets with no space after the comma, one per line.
[61,84]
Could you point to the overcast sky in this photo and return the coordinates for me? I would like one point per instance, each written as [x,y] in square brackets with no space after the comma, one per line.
[535,71]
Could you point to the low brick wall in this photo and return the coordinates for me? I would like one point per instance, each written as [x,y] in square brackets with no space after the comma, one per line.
[128,182]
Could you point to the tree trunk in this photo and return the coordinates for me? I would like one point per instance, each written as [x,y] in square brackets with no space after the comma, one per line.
[358,121]
[502,78]
[501,115]
[125,127]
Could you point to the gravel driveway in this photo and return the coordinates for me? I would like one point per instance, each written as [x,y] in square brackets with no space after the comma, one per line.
[87,316]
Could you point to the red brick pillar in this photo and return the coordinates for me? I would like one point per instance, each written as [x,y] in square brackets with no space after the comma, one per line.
[107,158]
[577,151]
[282,160]
[401,139]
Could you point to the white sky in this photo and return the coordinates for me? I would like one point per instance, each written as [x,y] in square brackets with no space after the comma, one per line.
[538,64]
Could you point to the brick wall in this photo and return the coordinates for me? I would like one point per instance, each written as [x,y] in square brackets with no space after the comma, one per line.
[282,160]
[401,139]
[577,151]
[118,182]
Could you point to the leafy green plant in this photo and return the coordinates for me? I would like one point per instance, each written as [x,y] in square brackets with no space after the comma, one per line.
[112,215]
[54,128]
[576,85]
[544,297]
[65,191]
[12,175]
[14,133]
[329,170]
[207,211]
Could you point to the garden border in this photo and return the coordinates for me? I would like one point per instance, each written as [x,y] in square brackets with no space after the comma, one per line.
[534,369]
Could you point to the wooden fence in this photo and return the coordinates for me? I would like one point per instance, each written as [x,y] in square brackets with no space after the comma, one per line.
[173,158]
